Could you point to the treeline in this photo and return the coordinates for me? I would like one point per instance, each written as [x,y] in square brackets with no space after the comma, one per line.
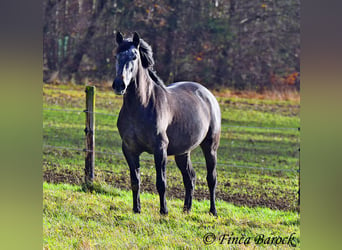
[241,44]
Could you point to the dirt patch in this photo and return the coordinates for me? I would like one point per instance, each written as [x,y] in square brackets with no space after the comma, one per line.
[65,176]
[251,196]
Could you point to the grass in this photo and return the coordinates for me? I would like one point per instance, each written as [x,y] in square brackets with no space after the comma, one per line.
[257,178]
[74,219]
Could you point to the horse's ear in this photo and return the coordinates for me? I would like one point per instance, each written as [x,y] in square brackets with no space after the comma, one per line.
[136,39]
[119,37]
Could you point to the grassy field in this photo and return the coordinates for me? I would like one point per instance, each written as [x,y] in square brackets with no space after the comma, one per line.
[257,178]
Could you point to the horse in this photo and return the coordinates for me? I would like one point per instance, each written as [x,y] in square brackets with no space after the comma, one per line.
[163,121]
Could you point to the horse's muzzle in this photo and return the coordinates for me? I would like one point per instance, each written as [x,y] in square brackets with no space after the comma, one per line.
[119,86]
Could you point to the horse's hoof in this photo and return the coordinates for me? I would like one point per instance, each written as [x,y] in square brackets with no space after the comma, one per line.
[164,212]
[214,213]
[186,210]
[136,211]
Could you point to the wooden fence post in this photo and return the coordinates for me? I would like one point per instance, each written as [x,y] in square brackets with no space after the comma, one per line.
[90,136]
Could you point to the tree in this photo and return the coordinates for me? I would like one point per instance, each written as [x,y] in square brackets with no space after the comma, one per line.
[240,44]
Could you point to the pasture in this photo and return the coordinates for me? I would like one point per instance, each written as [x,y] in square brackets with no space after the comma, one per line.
[257,188]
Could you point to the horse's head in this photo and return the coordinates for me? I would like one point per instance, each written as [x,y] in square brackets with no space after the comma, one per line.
[127,56]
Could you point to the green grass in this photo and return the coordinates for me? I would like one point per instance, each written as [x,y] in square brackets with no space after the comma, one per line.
[74,219]
[253,195]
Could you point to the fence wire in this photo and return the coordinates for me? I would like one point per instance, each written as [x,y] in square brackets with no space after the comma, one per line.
[226,164]
[222,126]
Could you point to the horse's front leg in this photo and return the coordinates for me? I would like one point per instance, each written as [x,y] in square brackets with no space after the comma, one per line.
[160,159]
[134,167]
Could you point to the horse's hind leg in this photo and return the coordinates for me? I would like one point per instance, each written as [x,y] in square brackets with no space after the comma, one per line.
[209,147]
[189,177]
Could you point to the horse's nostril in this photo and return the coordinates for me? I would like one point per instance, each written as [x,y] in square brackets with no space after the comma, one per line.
[115,83]
[122,85]
[118,85]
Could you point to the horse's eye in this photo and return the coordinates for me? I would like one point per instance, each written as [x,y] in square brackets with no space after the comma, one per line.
[134,57]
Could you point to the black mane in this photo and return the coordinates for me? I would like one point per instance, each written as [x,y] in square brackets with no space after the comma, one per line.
[146,57]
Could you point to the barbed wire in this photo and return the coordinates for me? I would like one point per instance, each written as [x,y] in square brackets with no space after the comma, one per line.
[226,164]
[227,146]
[80,111]
[268,128]
[226,129]
[64,110]
[223,126]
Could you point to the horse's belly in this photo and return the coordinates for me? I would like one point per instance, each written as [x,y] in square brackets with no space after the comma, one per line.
[179,143]
[188,129]
[183,141]
[180,149]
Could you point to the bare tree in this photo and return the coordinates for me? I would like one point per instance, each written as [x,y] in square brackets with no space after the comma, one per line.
[240,44]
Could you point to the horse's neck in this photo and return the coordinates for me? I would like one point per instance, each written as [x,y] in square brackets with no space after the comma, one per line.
[145,86]
[141,91]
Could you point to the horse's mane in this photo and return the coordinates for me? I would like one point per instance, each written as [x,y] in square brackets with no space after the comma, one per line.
[146,57]
[147,60]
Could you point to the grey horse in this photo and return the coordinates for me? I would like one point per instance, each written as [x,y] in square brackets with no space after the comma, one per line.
[163,121]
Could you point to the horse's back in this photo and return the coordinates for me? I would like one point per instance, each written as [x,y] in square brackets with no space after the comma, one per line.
[187,86]
[184,89]
[196,113]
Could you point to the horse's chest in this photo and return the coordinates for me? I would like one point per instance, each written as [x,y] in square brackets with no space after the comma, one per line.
[137,133]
